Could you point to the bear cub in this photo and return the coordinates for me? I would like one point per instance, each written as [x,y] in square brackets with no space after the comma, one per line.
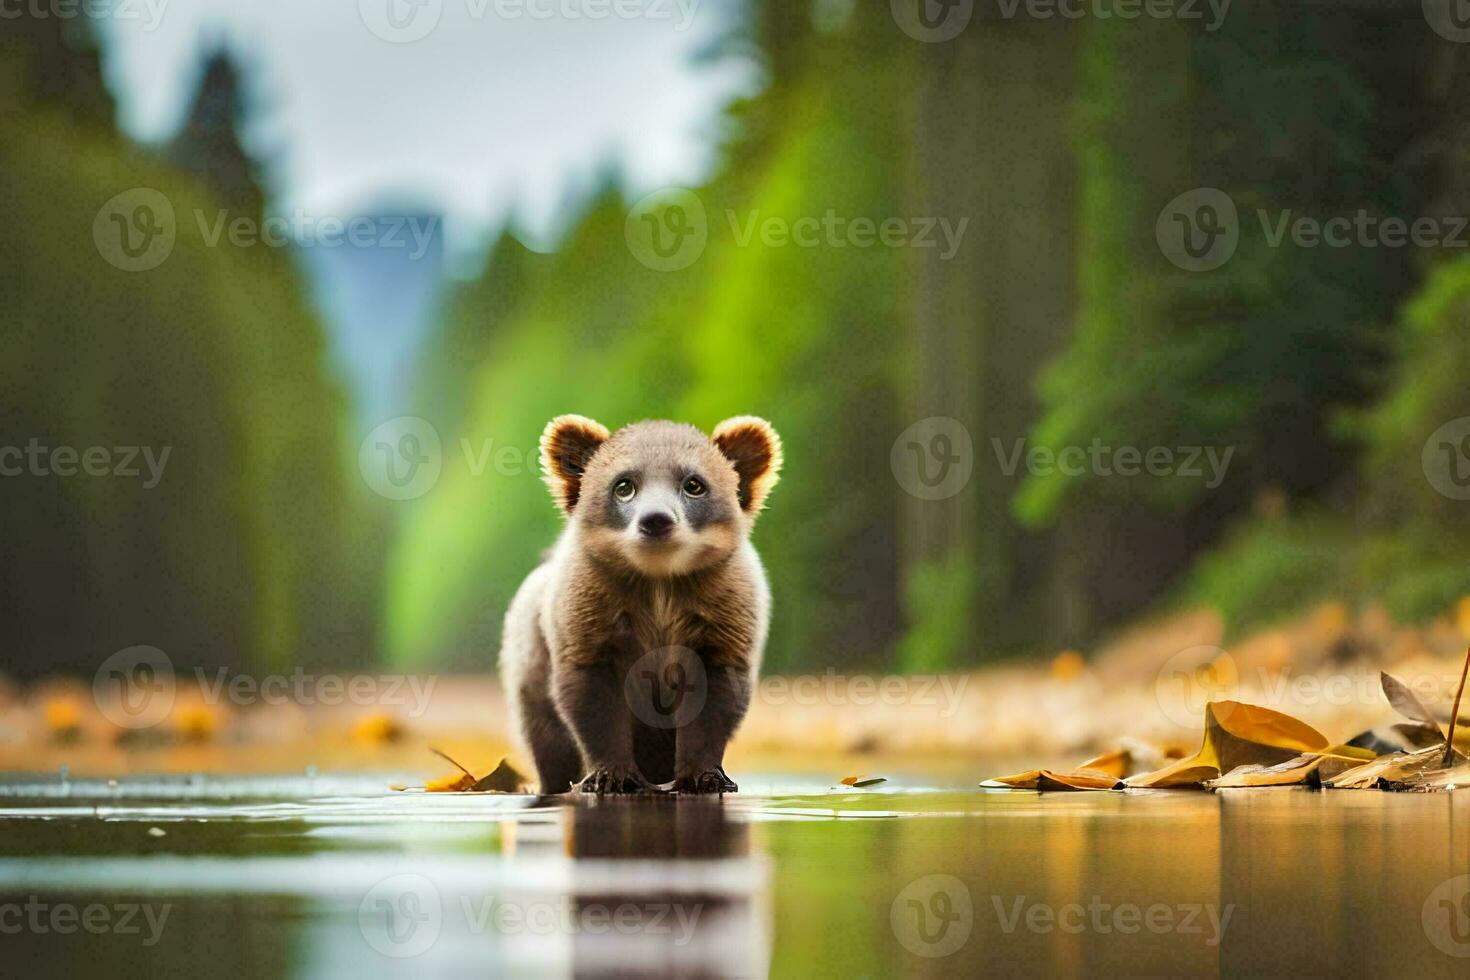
[630,653]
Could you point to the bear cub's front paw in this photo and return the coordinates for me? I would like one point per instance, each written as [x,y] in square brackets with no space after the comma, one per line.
[616,779]
[708,781]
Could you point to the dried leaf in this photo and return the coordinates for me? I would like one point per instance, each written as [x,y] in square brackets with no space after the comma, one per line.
[1307,769]
[858,782]
[456,783]
[1104,772]
[1437,780]
[1117,763]
[1237,734]
[1046,779]
[504,779]
[1397,771]
[1406,703]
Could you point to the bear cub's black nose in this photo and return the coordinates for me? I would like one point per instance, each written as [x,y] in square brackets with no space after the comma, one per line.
[655,525]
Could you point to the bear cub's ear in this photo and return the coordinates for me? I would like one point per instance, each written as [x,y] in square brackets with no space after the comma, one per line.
[567,446]
[755,449]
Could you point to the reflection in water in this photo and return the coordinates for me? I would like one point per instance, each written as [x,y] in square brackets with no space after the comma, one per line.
[684,925]
[327,880]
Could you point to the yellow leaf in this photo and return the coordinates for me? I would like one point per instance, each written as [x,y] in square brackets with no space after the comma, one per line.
[1046,779]
[1309,767]
[457,783]
[1115,763]
[858,782]
[1237,734]
[63,717]
[1068,665]
[377,729]
[196,722]
[1390,771]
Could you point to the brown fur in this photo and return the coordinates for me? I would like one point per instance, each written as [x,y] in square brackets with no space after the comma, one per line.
[684,612]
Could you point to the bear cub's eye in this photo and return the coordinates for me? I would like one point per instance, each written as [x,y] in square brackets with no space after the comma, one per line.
[624,490]
[694,487]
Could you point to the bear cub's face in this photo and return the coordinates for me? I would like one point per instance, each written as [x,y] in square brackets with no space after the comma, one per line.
[660,498]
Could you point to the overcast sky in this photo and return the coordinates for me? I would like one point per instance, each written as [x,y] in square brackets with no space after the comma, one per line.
[501,105]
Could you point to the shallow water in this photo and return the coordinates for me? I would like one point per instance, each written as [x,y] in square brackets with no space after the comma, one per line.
[336,876]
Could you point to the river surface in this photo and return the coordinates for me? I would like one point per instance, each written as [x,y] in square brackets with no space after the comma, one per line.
[320,875]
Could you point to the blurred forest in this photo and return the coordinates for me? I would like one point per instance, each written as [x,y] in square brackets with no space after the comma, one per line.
[1059,321]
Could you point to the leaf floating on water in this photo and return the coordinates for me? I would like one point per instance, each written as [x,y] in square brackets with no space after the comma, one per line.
[1116,763]
[1237,734]
[504,779]
[1440,780]
[859,782]
[1406,702]
[1402,770]
[1102,773]
[1307,769]
[455,783]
